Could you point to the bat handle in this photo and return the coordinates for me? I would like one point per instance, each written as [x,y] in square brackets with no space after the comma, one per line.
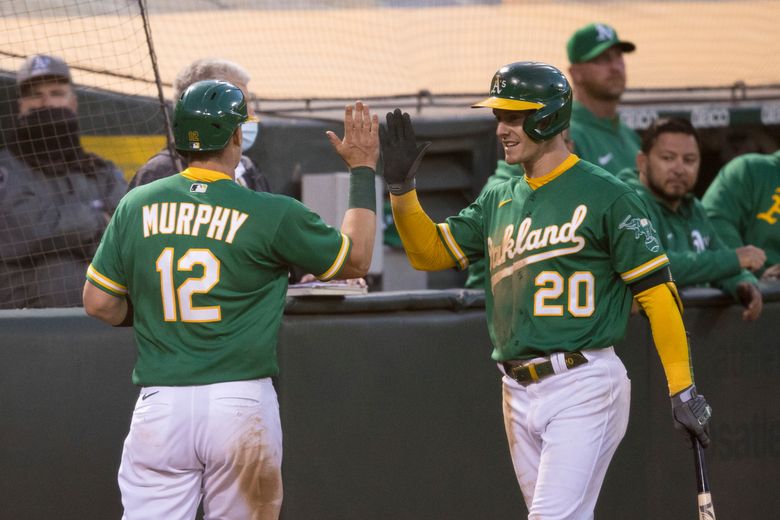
[706,509]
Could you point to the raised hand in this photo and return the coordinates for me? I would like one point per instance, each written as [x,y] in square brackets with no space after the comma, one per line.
[401,153]
[360,145]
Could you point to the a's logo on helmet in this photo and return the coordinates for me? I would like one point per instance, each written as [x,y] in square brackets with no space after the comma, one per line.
[605,33]
[498,85]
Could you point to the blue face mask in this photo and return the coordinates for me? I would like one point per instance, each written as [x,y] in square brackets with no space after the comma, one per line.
[249,133]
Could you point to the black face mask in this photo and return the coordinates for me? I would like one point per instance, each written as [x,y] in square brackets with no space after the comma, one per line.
[47,136]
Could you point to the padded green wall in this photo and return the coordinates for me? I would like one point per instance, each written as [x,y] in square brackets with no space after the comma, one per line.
[391,410]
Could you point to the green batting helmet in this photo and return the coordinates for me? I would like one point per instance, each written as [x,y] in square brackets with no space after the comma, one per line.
[207,114]
[527,85]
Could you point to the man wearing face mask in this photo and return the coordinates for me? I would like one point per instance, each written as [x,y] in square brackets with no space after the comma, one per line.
[165,164]
[55,198]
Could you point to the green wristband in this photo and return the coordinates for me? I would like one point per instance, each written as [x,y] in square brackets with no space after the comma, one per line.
[362,191]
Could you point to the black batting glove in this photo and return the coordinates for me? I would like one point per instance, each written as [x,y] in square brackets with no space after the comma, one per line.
[692,414]
[401,153]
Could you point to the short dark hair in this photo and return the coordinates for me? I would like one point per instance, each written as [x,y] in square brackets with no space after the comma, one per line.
[200,156]
[664,125]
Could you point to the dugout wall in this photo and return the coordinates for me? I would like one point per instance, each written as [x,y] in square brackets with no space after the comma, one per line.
[391,410]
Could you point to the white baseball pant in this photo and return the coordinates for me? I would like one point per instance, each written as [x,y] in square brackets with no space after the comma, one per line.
[221,442]
[563,431]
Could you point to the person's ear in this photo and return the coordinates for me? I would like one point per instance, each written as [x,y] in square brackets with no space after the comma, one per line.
[641,163]
[574,73]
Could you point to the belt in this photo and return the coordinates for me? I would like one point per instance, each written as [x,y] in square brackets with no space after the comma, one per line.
[526,373]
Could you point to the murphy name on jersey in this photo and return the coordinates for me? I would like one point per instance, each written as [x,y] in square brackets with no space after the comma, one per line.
[186,218]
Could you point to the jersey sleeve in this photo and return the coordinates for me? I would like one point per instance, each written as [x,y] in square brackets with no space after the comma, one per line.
[463,235]
[727,202]
[305,240]
[107,270]
[636,249]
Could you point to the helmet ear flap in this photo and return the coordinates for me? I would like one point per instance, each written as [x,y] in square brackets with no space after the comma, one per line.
[550,120]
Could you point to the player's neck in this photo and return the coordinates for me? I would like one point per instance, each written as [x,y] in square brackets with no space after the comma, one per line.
[547,161]
[215,165]
[603,108]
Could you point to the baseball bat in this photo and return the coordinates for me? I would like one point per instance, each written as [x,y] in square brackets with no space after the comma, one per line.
[706,509]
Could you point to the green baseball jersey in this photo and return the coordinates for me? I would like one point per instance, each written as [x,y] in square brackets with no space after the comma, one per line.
[744,203]
[477,269]
[560,259]
[606,142]
[697,256]
[205,263]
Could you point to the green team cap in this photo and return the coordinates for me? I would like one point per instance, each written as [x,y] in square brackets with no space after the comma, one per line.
[591,40]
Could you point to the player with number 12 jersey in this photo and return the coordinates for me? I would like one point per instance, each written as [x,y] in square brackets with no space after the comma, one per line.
[197,238]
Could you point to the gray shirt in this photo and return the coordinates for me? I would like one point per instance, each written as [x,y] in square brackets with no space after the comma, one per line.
[51,221]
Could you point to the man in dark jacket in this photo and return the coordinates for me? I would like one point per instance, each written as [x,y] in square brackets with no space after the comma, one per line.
[668,166]
[55,198]
[166,163]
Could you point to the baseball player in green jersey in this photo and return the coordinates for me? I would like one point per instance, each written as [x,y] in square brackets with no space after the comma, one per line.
[598,74]
[744,203]
[204,262]
[504,171]
[667,170]
[477,269]
[568,245]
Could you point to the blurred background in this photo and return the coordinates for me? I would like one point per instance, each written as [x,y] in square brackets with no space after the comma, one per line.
[389,402]
[710,61]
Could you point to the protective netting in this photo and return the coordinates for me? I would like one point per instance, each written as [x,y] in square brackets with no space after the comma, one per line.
[348,48]
[56,197]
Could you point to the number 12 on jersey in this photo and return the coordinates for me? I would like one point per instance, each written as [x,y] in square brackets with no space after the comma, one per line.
[183,294]
[580,297]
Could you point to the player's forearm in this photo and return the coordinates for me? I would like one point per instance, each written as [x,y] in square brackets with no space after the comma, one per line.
[359,222]
[661,306]
[692,268]
[360,226]
[103,306]
[418,233]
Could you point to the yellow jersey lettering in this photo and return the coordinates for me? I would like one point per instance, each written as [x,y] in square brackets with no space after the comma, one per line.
[769,215]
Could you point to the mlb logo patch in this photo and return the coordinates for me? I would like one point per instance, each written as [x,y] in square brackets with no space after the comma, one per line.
[198,188]
[194,138]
